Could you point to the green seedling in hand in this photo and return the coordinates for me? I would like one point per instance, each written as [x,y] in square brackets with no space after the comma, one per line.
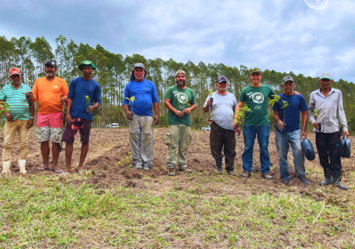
[315,113]
[211,91]
[6,108]
[187,102]
[273,101]
[241,113]
[87,100]
[131,99]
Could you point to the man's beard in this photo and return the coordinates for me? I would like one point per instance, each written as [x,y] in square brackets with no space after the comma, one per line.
[139,78]
[49,73]
[183,82]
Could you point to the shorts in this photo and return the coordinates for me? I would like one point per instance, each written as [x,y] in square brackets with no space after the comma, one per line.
[49,127]
[78,124]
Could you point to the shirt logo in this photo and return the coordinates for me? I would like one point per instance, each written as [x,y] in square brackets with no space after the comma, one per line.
[256,97]
[55,86]
[182,97]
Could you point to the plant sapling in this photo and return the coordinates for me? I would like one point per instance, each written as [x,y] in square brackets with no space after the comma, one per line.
[241,114]
[131,99]
[315,113]
[6,108]
[273,101]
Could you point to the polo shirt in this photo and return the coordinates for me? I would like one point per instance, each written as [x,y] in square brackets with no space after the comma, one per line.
[16,99]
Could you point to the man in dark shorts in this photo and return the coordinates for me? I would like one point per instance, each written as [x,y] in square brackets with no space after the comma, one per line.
[83,91]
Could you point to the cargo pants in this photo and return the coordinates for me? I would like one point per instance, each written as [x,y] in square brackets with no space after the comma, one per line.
[178,137]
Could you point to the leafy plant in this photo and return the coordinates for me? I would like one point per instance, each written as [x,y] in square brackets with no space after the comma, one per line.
[187,102]
[285,104]
[241,113]
[211,91]
[87,100]
[131,99]
[5,107]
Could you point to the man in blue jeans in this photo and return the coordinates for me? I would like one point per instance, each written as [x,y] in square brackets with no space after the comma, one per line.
[256,123]
[288,130]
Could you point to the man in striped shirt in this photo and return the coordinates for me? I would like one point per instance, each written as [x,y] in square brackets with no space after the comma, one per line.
[18,112]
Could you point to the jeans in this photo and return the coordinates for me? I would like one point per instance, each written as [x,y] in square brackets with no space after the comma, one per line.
[177,138]
[249,133]
[283,142]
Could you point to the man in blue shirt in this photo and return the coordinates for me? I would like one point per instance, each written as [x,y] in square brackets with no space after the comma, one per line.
[140,97]
[83,93]
[288,130]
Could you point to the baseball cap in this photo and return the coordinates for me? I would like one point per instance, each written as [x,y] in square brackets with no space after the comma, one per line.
[221,79]
[14,70]
[51,63]
[326,76]
[180,71]
[86,63]
[141,65]
[255,70]
[287,78]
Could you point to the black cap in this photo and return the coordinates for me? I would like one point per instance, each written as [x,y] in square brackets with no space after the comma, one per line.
[51,63]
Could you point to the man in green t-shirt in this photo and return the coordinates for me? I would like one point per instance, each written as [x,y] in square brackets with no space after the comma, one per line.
[256,123]
[180,100]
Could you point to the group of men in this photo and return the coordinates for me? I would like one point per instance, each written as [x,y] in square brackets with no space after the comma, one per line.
[52,94]
[141,97]
[180,101]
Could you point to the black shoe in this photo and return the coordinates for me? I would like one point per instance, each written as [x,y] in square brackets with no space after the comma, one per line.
[231,173]
[285,181]
[146,167]
[336,179]
[219,166]
[328,177]
[304,180]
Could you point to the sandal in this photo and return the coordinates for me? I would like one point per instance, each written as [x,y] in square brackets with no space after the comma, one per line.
[64,173]
[43,168]
[81,171]
[58,171]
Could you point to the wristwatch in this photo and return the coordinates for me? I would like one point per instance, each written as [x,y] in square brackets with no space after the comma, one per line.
[31,117]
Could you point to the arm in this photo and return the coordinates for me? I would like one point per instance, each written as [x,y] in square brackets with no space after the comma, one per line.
[34,92]
[342,117]
[32,114]
[311,107]
[277,119]
[171,108]
[65,91]
[156,118]
[304,123]
[190,109]
[207,107]
[97,100]
[67,116]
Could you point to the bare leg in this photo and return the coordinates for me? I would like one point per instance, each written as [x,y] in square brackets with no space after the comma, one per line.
[45,153]
[84,152]
[68,155]
[55,153]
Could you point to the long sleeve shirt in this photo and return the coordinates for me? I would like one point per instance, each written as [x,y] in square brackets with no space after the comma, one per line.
[329,109]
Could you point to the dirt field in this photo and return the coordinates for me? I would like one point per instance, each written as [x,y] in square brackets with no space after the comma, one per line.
[109,166]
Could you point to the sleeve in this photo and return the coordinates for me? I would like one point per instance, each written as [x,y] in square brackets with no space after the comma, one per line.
[167,94]
[35,91]
[193,99]
[97,94]
[303,105]
[155,98]
[341,112]
[242,97]
[2,95]
[65,89]
[71,92]
[126,95]
[311,107]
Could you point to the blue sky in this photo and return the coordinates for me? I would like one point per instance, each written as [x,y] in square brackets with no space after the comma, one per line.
[284,35]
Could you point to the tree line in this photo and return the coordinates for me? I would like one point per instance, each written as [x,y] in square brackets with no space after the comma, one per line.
[113,73]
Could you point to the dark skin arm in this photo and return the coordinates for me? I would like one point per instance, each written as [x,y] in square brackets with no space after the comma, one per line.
[207,107]
[156,118]
[304,123]
[128,113]
[277,119]
[32,113]
[67,116]
[90,109]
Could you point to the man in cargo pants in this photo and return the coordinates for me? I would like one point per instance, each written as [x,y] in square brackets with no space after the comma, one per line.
[140,97]
[180,100]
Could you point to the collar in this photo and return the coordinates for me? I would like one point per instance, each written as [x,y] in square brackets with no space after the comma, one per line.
[18,87]
[332,90]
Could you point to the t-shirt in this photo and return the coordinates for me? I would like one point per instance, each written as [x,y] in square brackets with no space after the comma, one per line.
[179,99]
[78,89]
[144,93]
[296,103]
[16,99]
[223,109]
[48,94]
[256,98]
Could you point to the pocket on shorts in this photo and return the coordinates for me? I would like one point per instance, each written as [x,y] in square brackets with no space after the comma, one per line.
[168,139]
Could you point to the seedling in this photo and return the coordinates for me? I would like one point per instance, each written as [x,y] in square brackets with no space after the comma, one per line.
[187,102]
[131,99]
[241,113]
[273,101]
[315,113]
[87,100]
[6,108]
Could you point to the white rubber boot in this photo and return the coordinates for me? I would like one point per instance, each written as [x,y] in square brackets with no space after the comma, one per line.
[6,167]
[22,165]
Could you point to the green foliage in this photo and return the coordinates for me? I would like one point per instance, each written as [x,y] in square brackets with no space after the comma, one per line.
[276,99]
[87,100]
[351,123]
[5,107]
[131,99]
[241,113]
[315,113]
[211,91]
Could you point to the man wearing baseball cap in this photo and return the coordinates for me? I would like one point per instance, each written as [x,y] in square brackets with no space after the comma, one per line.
[19,114]
[328,102]
[140,97]
[222,133]
[83,98]
[288,132]
[180,100]
[256,123]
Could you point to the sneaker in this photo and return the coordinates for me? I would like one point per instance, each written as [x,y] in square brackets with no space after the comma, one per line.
[138,166]
[171,172]
[146,167]
[267,176]
[231,173]
[246,174]
[304,180]
[285,181]
[187,169]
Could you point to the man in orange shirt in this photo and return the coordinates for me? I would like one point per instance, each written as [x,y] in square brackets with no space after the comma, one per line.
[51,93]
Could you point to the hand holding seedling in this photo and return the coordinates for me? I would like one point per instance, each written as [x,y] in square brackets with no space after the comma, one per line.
[241,114]
[280,124]
[187,110]
[179,113]
[6,110]
[315,124]
[129,114]
[29,95]
[63,100]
